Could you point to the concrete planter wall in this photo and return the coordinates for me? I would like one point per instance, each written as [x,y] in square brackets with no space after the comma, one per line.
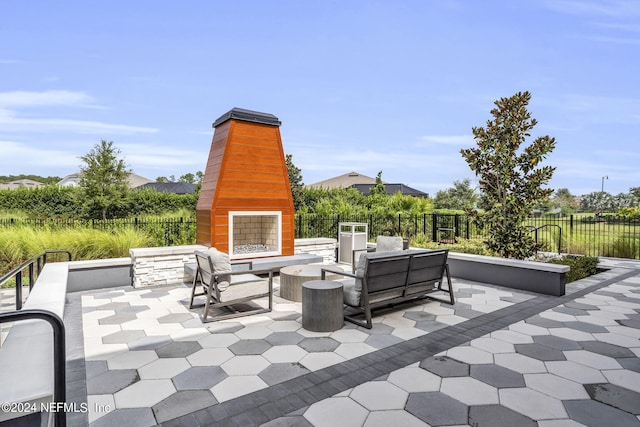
[98,274]
[539,277]
[166,265]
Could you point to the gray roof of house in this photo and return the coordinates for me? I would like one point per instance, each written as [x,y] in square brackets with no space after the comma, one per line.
[344,181]
[391,189]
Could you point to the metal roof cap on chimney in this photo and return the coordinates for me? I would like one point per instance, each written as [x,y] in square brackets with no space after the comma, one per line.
[248,116]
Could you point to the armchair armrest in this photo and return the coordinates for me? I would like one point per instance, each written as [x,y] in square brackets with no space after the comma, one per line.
[248,276]
[241,265]
[265,271]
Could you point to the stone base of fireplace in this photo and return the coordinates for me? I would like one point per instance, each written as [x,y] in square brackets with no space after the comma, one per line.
[176,264]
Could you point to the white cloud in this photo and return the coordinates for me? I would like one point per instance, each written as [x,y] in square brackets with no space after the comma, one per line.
[19,157]
[590,109]
[610,8]
[47,98]
[411,167]
[11,123]
[616,40]
[635,28]
[153,156]
[458,140]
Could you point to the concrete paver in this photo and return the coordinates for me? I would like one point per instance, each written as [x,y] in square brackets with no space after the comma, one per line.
[561,361]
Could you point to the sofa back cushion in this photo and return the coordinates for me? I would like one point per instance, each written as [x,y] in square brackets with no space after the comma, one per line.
[384,271]
[427,268]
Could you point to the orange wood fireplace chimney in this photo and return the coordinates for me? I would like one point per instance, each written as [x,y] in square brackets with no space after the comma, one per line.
[246,174]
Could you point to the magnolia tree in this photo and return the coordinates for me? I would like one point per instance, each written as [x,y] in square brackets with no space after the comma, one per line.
[509,177]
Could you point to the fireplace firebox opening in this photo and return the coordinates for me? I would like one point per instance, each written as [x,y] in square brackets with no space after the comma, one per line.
[255,233]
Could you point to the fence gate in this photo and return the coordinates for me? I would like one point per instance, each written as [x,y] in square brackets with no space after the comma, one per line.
[445,228]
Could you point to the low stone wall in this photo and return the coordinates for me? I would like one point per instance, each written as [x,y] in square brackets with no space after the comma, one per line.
[99,274]
[161,266]
[323,246]
[539,277]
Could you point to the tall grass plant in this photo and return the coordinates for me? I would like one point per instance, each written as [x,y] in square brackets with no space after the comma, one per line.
[18,244]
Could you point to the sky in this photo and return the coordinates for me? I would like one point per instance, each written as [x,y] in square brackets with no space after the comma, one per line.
[359,85]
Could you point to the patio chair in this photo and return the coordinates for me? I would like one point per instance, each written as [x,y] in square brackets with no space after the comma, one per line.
[383,244]
[227,292]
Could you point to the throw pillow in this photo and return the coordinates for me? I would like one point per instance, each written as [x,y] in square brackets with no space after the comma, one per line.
[221,265]
[388,243]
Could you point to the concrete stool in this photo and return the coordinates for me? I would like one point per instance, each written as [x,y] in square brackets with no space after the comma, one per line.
[322,309]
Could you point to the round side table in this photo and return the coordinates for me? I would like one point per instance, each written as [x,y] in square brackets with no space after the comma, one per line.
[322,306]
[293,276]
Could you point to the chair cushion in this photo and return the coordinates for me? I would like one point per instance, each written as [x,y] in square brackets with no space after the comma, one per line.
[221,265]
[350,292]
[388,243]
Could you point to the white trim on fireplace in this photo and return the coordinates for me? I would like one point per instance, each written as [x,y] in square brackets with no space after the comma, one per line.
[277,252]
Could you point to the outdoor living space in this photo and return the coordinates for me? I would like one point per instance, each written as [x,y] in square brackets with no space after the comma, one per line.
[140,356]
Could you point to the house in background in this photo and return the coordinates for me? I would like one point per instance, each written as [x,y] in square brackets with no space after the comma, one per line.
[363,184]
[391,189]
[73,180]
[344,181]
[21,183]
[170,187]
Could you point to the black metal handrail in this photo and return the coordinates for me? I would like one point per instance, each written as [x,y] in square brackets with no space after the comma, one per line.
[38,261]
[59,356]
[535,230]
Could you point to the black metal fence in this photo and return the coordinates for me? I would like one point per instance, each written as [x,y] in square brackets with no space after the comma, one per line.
[435,227]
[610,236]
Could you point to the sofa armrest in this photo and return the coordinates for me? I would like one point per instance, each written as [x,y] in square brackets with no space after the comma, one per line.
[334,271]
[353,255]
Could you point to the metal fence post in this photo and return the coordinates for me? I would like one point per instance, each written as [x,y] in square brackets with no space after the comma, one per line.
[434,227]
[424,224]
[370,227]
[19,291]
[31,281]
[456,225]
[466,227]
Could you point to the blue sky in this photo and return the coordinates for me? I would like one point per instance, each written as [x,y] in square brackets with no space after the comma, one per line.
[358,85]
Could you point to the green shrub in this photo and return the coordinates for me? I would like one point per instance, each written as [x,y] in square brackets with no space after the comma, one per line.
[467,246]
[581,266]
[66,202]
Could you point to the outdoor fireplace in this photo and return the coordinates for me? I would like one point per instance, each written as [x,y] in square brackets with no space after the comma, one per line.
[255,234]
[245,206]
